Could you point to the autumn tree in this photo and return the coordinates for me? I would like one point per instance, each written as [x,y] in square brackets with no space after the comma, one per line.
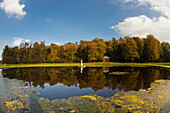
[130,50]
[101,48]
[96,50]
[70,51]
[116,50]
[166,51]
[43,53]
[30,53]
[124,49]
[16,55]
[83,50]
[140,47]
[52,53]
[6,55]
[151,49]
[109,50]
[92,52]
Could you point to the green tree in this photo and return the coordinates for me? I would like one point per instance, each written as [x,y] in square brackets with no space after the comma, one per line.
[23,53]
[83,50]
[30,54]
[43,52]
[4,54]
[92,51]
[53,52]
[35,51]
[8,55]
[70,51]
[16,54]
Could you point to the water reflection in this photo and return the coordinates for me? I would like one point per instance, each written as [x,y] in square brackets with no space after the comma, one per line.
[95,78]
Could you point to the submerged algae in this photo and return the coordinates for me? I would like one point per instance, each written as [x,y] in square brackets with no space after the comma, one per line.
[155,99]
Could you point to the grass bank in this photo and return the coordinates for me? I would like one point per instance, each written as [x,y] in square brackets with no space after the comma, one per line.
[92,64]
[110,64]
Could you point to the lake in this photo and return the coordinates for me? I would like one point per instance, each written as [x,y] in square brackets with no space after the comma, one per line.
[66,82]
[89,90]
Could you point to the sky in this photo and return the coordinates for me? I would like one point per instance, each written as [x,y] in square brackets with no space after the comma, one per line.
[62,21]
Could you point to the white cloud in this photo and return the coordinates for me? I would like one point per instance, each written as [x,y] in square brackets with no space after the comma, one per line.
[13,8]
[27,40]
[126,1]
[121,1]
[57,43]
[162,6]
[17,41]
[143,25]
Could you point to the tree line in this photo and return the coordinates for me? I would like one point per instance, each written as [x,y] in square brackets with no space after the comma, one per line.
[127,49]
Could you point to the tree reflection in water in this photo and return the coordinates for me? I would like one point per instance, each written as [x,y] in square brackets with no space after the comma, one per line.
[95,78]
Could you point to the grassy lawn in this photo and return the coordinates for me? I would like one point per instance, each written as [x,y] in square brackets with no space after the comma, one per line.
[100,64]
[92,64]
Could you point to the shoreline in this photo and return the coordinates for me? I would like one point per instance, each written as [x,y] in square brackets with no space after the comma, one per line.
[90,64]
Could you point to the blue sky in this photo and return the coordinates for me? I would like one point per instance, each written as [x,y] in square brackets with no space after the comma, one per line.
[61,21]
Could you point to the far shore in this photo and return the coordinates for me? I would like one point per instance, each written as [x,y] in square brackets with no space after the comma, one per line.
[90,64]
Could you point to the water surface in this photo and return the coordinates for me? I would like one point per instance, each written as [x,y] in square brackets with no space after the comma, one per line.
[65,82]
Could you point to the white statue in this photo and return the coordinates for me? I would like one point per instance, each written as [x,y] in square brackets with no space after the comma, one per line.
[81,63]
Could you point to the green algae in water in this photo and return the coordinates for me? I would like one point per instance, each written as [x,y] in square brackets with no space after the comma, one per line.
[26,100]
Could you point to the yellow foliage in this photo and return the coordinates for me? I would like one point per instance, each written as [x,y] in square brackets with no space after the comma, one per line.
[138,107]
[51,111]
[34,89]
[72,111]
[61,108]
[21,96]
[160,96]
[26,95]
[13,105]
[91,97]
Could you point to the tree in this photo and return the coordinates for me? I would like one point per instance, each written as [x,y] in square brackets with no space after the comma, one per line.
[96,50]
[92,51]
[6,55]
[30,54]
[70,51]
[35,52]
[116,50]
[52,53]
[140,47]
[166,51]
[101,48]
[151,49]
[24,52]
[109,50]
[130,50]
[16,55]
[43,54]
[124,49]
[83,50]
